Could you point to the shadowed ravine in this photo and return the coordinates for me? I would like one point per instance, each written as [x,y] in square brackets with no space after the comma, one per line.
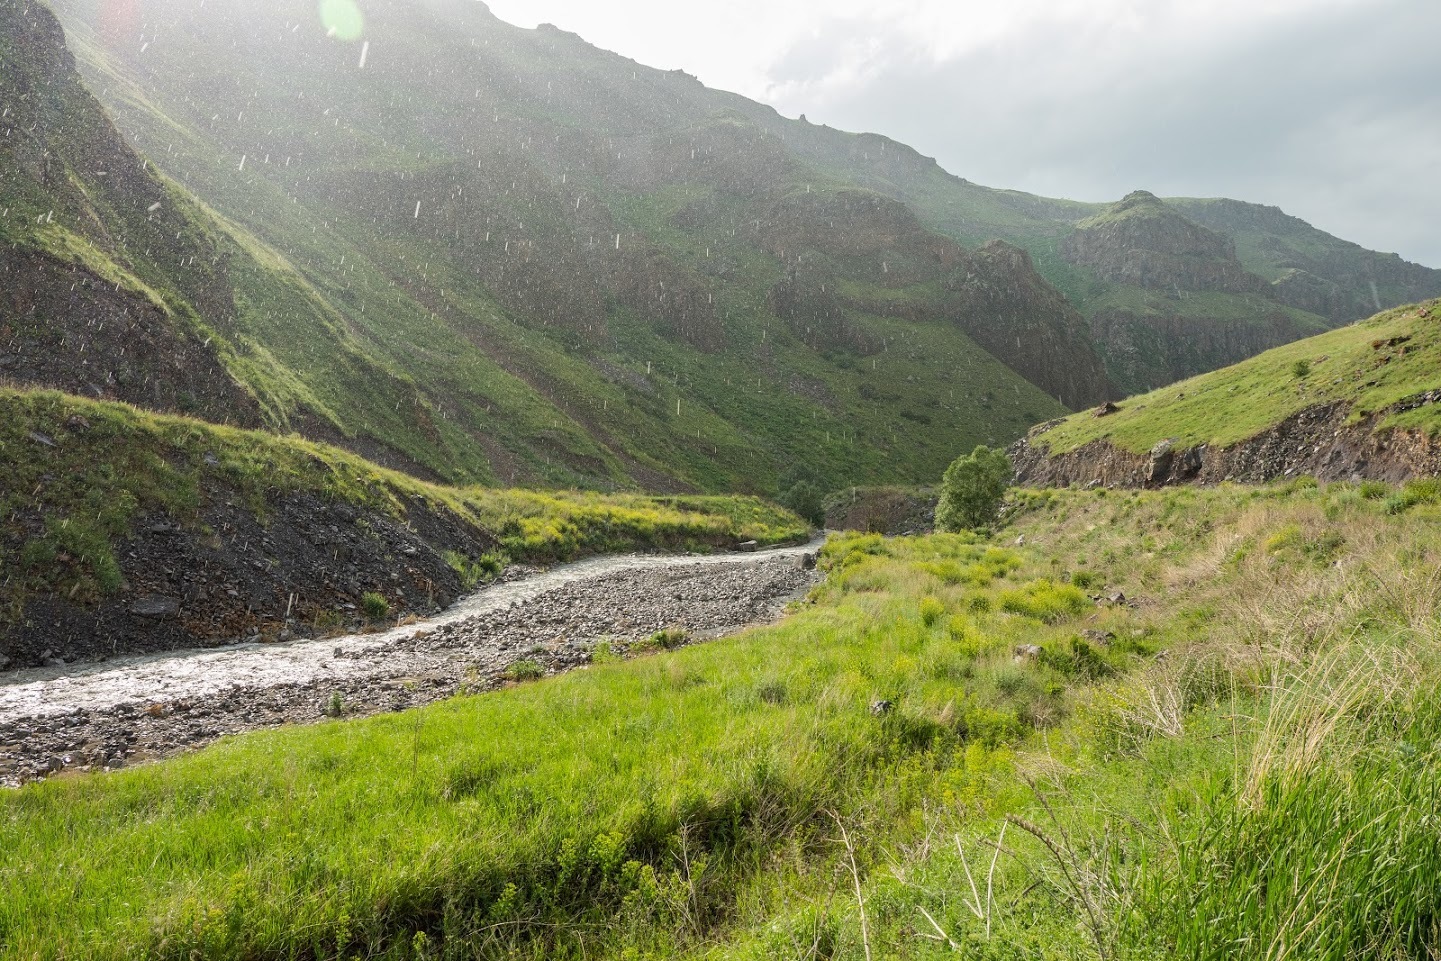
[143,707]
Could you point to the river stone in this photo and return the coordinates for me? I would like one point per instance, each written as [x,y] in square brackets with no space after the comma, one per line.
[156,606]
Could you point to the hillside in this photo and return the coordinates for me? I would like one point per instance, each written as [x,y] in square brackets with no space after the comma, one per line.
[451,272]
[549,264]
[1149,335]
[1360,401]
[124,531]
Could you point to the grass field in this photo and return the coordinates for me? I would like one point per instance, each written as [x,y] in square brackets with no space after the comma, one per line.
[1373,365]
[1250,742]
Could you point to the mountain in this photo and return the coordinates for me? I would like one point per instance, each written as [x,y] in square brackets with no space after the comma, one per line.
[1149,335]
[1174,299]
[453,266]
[1362,401]
[486,254]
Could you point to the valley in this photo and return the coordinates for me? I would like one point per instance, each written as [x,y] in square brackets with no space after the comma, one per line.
[466,494]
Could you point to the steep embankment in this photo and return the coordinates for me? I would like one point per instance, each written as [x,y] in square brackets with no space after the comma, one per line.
[1362,401]
[91,298]
[127,531]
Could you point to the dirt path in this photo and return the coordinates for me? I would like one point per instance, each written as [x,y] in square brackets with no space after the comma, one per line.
[129,709]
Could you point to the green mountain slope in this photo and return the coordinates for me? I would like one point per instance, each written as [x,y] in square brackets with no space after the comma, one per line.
[485,253]
[581,279]
[1309,268]
[1363,400]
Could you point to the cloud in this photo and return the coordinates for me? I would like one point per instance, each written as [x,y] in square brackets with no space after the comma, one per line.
[1329,110]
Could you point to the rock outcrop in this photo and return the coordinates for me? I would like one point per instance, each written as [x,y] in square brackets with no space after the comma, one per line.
[1142,242]
[1319,442]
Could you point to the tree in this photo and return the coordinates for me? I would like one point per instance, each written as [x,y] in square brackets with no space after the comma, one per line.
[972,490]
[805,499]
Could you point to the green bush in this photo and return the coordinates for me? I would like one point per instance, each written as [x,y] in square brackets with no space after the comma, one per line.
[374,605]
[931,610]
[1374,490]
[1301,369]
[806,500]
[972,490]
[524,669]
[1045,601]
[666,640]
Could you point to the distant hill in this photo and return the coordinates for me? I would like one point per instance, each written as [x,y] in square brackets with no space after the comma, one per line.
[1362,401]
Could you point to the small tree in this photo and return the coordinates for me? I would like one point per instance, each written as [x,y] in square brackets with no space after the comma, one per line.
[805,499]
[1301,369]
[972,490]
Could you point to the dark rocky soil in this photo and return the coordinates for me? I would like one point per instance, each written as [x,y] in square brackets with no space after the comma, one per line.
[108,716]
[229,577]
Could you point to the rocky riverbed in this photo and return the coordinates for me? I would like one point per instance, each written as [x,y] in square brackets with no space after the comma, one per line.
[110,715]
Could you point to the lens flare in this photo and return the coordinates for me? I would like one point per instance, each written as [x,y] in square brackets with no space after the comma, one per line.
[342,18]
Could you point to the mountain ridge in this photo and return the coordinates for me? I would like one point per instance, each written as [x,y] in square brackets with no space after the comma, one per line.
[579,259]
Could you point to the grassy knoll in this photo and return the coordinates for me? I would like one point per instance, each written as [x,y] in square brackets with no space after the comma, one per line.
[1371,365]
[84,470]
[1272,774]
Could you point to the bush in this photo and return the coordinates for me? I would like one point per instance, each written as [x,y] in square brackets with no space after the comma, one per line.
[931,610]
[805,499]
[1046,601]
[524,670]
[1374,490]
[1301,369]
[972,490]
[665,640]
[374,605]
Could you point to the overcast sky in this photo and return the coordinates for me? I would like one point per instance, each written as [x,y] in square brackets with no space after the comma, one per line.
[1329,109]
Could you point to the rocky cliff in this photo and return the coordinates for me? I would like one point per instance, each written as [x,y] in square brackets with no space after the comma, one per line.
[1323,442]
[1141,242]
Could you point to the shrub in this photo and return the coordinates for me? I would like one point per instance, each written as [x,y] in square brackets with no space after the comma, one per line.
[1374,490]
[666,640]
[972,490]
[374,605]
[1425,490]
[524,669]
[931,610]
[1301,369]
[1045,601]
[805,499]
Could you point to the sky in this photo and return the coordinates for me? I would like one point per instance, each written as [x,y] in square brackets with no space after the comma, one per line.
[1329,109]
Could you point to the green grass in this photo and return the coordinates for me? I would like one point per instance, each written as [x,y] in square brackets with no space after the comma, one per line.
[1238,402]
[1271,774]
[697,766]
